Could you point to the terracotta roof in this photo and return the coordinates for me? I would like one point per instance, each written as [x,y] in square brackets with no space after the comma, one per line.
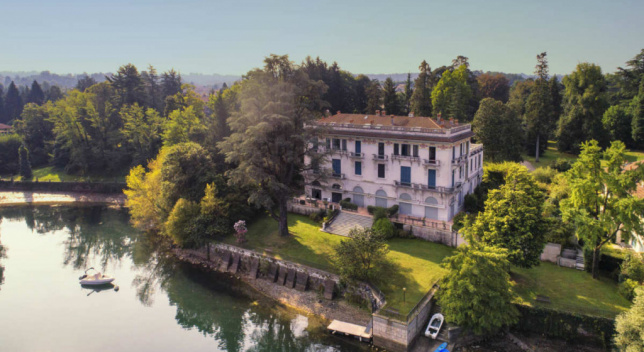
[384,120]
[639,192]
[5,127]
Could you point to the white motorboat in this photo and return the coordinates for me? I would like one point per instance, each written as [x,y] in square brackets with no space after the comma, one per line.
[95,279]
[434,326]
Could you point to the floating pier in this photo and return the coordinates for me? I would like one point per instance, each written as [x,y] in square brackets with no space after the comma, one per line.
[363,333]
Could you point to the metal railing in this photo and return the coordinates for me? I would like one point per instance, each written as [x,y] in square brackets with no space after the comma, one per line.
[404,157]
[356,155]
[338,176]
[428,162]
[459,160]
[443,131]
[380,157]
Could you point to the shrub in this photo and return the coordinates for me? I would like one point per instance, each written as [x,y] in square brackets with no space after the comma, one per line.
[627,288]
[346,204]
[9,159]
[633,267]
[385,228]
[371,209]
[471,203]
[360,255]
[379,213]
[392,210]
[458,221]
[561,165]
[318,216]
[544,174]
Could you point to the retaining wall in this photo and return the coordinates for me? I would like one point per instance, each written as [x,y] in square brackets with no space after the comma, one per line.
[80,187]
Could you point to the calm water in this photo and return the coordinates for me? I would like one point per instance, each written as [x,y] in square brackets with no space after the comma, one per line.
[161,305]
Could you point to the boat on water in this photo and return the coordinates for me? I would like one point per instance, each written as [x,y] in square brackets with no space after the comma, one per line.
[95,279]
[434,326]
[442,348]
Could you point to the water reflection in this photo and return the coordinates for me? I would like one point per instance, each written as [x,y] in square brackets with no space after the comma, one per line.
[230,315]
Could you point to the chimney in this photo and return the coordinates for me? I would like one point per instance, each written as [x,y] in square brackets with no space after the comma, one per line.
[411,114]
[377,112]
[383,112]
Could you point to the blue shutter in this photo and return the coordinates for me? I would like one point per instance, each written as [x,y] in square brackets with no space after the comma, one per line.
[358,167]
[431,179]
[337,168]
[405,174]
[358,147]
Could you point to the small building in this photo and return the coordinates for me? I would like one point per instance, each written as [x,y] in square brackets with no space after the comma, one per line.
[5,129]
[635,241]
[424,166]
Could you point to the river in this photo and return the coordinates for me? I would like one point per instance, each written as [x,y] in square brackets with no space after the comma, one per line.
[160,304]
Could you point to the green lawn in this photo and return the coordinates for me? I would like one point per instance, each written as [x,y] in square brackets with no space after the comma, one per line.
[416,267]
[53,174]
[569,290]
[552,154]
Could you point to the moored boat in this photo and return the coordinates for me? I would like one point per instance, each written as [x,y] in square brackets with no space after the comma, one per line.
[434,326]
[95,279]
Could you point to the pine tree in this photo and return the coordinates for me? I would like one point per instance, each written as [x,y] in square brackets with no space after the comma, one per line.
[539,109]
[85,82]
[13,104]
[638,118]
[25,164]
[408,93]
[421,101]
[374,97]
[2,112]
[390,98]
[36,95]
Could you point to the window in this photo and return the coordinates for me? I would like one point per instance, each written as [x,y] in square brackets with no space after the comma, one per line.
[405,175]
[460,172]
[415,151]
[328,144]
[315,143]
[381,170]
[336,143]
[358,167]
[381,149]
[454,152]
[404,208]
[431,178]
[358,148]
[460,151]
[453,175]
[381,198]
[337,166]
[405,150]
[344,145]
[467,147]
[396,149]
[432,153]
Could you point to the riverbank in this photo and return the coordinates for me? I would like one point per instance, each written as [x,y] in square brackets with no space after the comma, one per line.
[308,302]
[10,198]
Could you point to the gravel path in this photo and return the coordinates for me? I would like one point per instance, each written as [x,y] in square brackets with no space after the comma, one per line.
[18,198]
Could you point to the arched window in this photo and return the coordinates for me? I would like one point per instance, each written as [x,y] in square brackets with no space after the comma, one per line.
[381,193]
[405,196]
[357,189]
[358,196]
[431,212]
[404,208]
[431,200]
[381,198]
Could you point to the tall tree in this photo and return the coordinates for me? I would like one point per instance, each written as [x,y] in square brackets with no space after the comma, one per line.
[142,132]
[390,98]
[269,139]
[358,257]
[374,97]
[153,89]
[452,94]
[361,99]
[85,82]
[601,200]
[638,118]
[513,219]
[617,121]
[494,86]
[12,104]
[170,83]
[25,164]
[498,127]
[539,110]
[2,111]
[631,77]
[36,95]
[128,85]
[407,95]
[54,94]
[519,93]
[421,98]
[630,326]
[585,101]
[35,129]
[476,293]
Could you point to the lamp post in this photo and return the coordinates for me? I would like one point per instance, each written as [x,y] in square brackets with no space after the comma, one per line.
[404,291]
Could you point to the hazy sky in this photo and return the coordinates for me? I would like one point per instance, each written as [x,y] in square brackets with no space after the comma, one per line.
[231,37]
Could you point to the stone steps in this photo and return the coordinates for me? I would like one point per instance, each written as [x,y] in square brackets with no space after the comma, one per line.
[344,222]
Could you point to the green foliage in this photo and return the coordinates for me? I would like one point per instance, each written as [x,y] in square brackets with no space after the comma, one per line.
[544,174]
[633,267]
[558,231]
[462,218]
[346,204]
[495,86]
[617,122]
[452,93]
[359,257]
[9,159]
[627,288]
[36,95]
[539,111]
[25,164]
[182,225]
[498,127]
[390,98]
[421,98]
[476,293]
[36,131]
[183,125]
[601,202]
[585,102]
[630,326]
[638,118]
[141,130]
[186,170]
[385,228]
[561,165]
[513,219]
[12,104]
[379,213]
[392,210]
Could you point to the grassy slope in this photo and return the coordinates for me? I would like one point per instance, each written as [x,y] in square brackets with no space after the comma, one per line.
[416,267]
[552,154]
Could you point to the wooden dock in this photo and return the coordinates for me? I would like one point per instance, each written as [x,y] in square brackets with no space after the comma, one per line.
[363,333]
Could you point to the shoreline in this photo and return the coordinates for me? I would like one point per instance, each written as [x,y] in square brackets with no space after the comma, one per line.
[15,198]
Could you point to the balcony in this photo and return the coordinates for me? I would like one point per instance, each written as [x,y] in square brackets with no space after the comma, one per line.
[459,160]
[356,155]
[377,157]
[405,157]
[337,176]
[431,163]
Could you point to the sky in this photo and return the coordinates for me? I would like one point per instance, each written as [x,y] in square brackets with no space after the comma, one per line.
[232,37]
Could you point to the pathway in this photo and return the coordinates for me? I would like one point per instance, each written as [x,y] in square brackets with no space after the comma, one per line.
[346,221]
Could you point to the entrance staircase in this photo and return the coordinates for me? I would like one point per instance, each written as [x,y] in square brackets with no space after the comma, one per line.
[345,222]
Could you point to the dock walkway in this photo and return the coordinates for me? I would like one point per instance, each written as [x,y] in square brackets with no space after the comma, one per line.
[359,331]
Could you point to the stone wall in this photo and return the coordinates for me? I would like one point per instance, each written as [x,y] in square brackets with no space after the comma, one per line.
[80,187]
[551,252]
[301,209]
[446,237]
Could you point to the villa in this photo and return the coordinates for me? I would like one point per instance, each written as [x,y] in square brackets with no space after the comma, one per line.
[5,129]
[635,241]
[424,166]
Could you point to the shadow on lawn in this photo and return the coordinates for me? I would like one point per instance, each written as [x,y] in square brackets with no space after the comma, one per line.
[391,278]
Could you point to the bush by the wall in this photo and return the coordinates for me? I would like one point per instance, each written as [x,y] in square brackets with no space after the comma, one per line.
[384,227]
[392,210]
[627,288]
[346,204]
[544,174]
[561,165]
[567,326]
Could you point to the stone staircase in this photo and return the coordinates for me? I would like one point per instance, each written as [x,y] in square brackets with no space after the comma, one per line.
[346,221]
[580,264]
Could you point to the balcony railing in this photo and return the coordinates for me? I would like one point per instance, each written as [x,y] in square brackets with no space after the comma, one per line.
[338,176]
[431,163]
[405,184]
[459,160]
[404,157]
[356,155]
[380,157]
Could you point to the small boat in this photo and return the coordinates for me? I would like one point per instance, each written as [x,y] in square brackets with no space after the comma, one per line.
[95,279]
[434,325]
[442,348]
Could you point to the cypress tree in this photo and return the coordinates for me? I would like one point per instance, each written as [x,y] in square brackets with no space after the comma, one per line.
[638,118]
[390,99]
[2,112]
[36,95]
[25,164]
[408,93]
[13,103]
[421,100]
